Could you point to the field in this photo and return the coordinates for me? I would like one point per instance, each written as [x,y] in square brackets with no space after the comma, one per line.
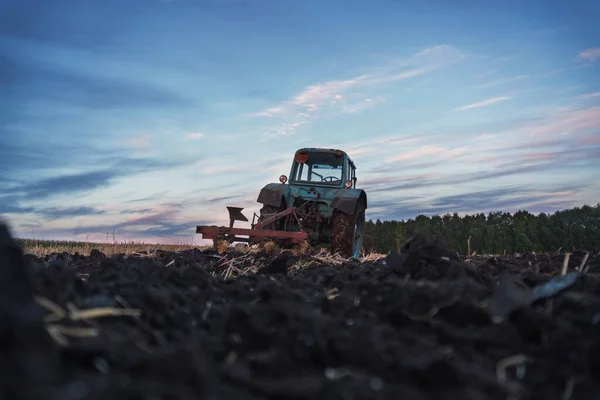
[43,248]
[195,324]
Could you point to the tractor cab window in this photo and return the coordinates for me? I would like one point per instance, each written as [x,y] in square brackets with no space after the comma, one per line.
[320,168]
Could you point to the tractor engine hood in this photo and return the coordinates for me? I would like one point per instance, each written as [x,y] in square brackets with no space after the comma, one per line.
[345,200]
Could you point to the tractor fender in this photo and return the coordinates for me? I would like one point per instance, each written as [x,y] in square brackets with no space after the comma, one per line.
[346,200]
[273,194]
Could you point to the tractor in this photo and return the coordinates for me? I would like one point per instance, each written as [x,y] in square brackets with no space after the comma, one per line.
[320,204]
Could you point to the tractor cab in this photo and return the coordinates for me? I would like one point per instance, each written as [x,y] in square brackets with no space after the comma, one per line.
[327,167]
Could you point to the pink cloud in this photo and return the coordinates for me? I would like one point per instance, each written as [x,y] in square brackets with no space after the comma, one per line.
[139,142]
[589,54]
[591,140]
[419,152]
[567,121]
[427,151]
[387,179]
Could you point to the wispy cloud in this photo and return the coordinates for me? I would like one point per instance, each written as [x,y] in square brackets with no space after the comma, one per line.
[487,73]
[140,142]
[224,167]
[356,107]
[425,151]
[337,96]
[509,199]
[589,54]
[376,148]
[59,84]
[502,81]
[195,136]
[589,95]
[565,121]
[69,212]
[74,183]
[483,103]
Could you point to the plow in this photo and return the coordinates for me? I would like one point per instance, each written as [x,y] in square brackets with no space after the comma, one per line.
[320,205]
[256,234]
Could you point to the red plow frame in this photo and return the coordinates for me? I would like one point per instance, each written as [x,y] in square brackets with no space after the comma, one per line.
[256,233]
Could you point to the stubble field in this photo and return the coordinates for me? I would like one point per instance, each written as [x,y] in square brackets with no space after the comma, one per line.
[195,324]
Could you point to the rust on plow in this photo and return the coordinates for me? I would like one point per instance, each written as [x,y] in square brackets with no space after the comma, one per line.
[256,233]
[210,232]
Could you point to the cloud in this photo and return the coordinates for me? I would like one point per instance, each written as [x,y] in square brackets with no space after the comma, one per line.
[68,212]
[592,140]
[167,220]
[520,164]
[487,73]
[507,199]
[73,183]
[314,96]
[565,121]
[195,136]
[10,204]
[502,81]
[288,128]
[340,96]
[502,199]
[26,191]
[139,142]
[45,81]
[426,151]
[148,198]
[589,54]
[483,103]
[516,151]
[361,105]
[221,167]
[589,95]
[372,182]
[269,112]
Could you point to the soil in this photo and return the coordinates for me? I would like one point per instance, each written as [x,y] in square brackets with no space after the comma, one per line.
[422,324]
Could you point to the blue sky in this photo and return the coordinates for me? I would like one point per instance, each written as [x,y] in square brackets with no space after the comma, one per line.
[149,117]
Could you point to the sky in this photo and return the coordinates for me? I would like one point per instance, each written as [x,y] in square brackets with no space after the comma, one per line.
[147,118]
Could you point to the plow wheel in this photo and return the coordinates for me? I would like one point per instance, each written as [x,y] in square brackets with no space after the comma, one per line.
[347,232]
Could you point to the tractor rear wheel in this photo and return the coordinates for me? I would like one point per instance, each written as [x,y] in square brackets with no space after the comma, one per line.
[347,232]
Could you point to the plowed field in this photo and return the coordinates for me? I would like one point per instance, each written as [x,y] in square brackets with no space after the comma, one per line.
[423,324]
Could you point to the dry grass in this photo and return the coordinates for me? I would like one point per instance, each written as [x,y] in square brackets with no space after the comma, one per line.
[41,248]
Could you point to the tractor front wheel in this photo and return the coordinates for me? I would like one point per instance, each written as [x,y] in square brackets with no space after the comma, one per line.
[347,232]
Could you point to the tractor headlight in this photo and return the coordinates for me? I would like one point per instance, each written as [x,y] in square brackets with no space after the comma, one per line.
[283,179]
[348,184]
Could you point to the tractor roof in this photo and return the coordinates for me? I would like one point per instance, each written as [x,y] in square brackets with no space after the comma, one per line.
[324,149]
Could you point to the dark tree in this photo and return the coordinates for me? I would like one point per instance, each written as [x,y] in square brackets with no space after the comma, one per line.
[574,229]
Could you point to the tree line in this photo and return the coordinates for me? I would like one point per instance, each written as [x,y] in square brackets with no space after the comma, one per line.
[498,232]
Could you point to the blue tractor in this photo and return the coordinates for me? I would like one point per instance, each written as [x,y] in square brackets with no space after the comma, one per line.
[319,204]
[322,192]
